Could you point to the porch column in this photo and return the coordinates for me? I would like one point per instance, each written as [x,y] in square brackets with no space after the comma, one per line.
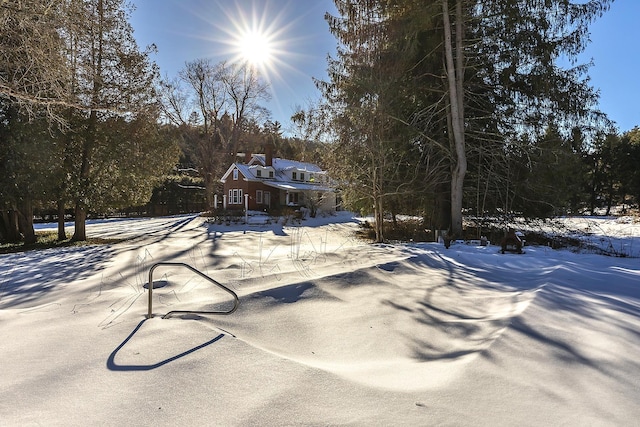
[215,201]
[246,208]
[224,201]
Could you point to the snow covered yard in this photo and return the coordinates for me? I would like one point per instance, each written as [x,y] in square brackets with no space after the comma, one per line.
[330,330]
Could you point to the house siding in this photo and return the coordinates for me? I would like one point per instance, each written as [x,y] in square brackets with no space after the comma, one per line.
[233,184]
[253,187]
[274,196]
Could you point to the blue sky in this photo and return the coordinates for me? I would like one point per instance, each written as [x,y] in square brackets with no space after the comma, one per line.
[615,50]
[184,30]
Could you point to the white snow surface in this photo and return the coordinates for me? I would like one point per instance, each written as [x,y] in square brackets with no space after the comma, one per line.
[330,330]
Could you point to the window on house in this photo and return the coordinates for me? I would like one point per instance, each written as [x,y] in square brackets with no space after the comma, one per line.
[294,176]
[293,198]
[270,174]
[235,196]
[301,176]
[259,197]
[259,173]
[235,174]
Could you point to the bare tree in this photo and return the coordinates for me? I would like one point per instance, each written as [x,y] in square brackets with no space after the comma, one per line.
[174,105]
[209,98]
[205,81]
[212,104]
[246,90]
[32,64]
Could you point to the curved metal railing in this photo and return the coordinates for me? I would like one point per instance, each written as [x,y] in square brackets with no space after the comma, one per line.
[236,301]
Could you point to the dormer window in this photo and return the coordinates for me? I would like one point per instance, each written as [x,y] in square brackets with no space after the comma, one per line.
[270,174]
[294,176]
[301,176]
[259,173]
[235,174]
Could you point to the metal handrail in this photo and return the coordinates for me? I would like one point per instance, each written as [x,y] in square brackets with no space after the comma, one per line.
[236,301]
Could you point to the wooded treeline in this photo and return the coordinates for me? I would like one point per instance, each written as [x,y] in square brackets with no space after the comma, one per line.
[443,107]
[78,113]
[432,108]
[87,125]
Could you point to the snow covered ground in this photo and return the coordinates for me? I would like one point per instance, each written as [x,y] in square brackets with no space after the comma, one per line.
[329,331]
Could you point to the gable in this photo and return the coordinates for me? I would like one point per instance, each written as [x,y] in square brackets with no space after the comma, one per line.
[236,168]
[283,174]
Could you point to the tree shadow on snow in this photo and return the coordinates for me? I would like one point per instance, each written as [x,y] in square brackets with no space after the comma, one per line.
[605,295]
[27,277]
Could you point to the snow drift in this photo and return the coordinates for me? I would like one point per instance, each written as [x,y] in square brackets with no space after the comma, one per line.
[330,331]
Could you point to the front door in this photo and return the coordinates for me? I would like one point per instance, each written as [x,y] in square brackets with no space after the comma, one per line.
[267,198]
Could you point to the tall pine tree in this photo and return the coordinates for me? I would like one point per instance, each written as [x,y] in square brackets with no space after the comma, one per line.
[477,78]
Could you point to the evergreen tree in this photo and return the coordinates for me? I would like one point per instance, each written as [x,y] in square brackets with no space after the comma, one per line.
[628,159]
[113,79]
[31,88]
[375,155]
[29,171]
[477,78]
[602,173]
[552,183]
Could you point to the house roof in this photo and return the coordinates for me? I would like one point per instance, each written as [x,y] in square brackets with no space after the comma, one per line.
[297,186]
[281,178]
[244,170]
[285,164]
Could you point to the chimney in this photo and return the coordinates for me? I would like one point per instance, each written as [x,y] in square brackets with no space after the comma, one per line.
[268,154]
[247,157]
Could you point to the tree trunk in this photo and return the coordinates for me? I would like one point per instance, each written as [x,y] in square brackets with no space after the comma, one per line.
[25,221]
[210,188]
[62,235]
[609,198]
[378,205]
[80,232]
[457,185]
[442,208]
[379,219]
[80,228]
[11,231]
[455,76]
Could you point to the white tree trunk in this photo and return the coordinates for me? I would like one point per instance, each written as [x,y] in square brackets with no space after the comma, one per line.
[455,76]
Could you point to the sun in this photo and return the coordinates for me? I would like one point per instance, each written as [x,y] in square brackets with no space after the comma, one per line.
[256,48]
[257,36]
[260,34]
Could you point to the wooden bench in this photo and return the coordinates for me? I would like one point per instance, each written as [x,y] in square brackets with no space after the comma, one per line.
[512,242]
